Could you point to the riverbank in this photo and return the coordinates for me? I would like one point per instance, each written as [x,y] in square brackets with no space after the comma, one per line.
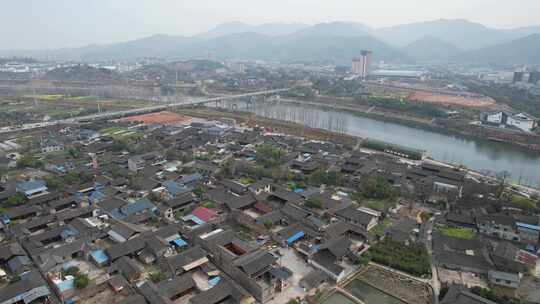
[297,129]
[273,125]
[446,126]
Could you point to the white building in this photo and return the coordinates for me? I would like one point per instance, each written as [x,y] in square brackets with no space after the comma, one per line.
[522,121]
[497,118]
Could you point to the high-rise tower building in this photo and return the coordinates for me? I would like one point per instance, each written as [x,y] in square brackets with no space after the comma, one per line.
[362,64]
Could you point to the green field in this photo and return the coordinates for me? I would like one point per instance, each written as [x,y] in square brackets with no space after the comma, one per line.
[48,97]
[460,233]
[118,132]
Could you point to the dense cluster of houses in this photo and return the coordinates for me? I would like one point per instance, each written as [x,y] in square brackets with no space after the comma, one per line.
[187,215]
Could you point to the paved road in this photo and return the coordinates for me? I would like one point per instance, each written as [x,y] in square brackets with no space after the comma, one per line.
[426,237]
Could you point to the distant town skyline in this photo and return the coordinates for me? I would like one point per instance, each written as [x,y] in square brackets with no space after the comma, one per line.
[37,24]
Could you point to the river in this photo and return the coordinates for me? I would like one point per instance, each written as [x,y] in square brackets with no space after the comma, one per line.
[480,155]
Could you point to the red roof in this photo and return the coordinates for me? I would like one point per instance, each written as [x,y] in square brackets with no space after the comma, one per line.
[204,214]
[264,208]
[526,258]
[164,118]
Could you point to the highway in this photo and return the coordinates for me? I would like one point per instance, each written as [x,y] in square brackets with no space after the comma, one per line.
[123,113]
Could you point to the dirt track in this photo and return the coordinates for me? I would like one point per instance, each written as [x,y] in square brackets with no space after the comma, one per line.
[453,100]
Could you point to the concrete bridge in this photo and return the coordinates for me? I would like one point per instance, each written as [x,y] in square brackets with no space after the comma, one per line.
[124,113]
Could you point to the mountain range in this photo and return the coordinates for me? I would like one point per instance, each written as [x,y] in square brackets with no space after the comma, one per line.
[336,42]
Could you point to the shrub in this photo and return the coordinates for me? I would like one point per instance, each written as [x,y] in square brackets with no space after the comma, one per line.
[81,280]
[209,205]
[460,233]
[156,277]
[523,202]
[29,161]
[268,224]
[314,203]
[199,191]
[16,199]
[413,258]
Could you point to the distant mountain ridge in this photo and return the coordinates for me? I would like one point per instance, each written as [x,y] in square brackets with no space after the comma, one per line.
[338,42]
[269,29]
[524,50]
[429,48]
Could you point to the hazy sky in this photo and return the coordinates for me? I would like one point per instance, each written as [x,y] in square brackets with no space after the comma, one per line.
[40,24]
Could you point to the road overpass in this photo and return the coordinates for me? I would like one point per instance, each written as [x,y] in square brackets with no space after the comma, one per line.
[124,113]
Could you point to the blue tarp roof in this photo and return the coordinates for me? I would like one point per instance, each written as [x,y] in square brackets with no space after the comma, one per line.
[528,226]
[295,237]
[68,231]
[214,281]
[69,264]
[180,242]
[99,256]
[31,185]
[298,190]
[192,217]
[97,196]
[174,188]
[190,178]
[136,207]
[66,285]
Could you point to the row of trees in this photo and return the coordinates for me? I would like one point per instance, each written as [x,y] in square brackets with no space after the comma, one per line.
[490,295]
[71,178]
[402,106]
[518,99]
[321,176]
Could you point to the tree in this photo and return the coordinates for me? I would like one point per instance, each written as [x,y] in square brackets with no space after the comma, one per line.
[502,177]
[157,277]
[317,177]
[443,292]
[154,196]
[227,169]
[321,176]
[16,199]
[268,224]
[73,152]
[120,145]
[269,156]
[81,280]
[364,259]
[376,188]
[54,182]
[491,295]
[29,161]
[314,203]
[179,214]
[199,191]
[135,181]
